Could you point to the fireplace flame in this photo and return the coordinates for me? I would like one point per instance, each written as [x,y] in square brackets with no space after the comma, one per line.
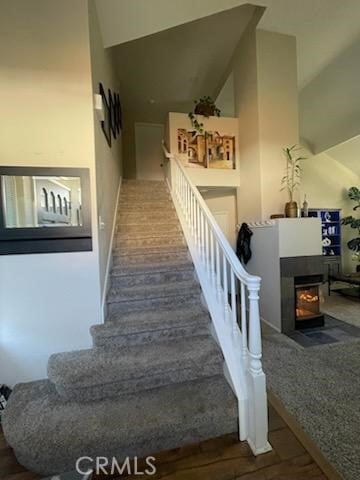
[308,297]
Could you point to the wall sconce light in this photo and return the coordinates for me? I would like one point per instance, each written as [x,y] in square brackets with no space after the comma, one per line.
[98,107]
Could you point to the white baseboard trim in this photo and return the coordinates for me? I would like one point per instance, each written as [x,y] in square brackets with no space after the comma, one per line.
[110,257]
[277,329]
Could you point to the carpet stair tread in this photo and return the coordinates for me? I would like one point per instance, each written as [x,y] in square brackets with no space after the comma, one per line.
[150,327]
[144,279]
[147,251]
[94,374]
[151,267]
[160,290]
[49,434]
[186,299]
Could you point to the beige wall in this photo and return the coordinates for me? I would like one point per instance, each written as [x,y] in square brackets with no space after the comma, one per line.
[108,160]
[278,113]
[325,183]
[47,302]
[246,108]
[129,151]
[222,204]
[265,84]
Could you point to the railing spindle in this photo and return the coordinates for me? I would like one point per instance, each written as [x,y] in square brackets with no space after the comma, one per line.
[202,236]
[225,281]
[212,256]
[243,320]
[217,266]
[206,246]
[233,302]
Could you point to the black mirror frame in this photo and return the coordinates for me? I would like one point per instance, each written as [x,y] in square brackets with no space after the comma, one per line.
[51,239]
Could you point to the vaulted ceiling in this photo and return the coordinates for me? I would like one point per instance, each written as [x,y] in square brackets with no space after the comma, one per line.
[323,28]
[166,71]
[171,51]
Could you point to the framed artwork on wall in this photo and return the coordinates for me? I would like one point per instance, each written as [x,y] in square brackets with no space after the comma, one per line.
[106,123]
[208,150]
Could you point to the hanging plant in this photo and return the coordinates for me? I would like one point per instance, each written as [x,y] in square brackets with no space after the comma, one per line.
[206,107]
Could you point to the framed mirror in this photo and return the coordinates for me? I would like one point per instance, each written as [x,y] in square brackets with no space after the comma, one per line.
[44,210]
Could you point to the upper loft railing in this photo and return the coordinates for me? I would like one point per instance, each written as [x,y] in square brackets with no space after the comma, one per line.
[232,296]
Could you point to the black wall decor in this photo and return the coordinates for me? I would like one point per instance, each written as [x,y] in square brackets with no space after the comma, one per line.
[44,210]
[112,123]
[106,123]
[113,114]
[118,113]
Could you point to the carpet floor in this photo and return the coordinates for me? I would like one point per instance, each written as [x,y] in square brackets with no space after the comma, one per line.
[344,308]
[320,387]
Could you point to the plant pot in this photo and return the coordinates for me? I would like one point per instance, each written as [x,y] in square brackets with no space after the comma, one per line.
[205,109]
[291,209]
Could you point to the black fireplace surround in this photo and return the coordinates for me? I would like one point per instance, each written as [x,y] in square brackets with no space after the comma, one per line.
[301,278]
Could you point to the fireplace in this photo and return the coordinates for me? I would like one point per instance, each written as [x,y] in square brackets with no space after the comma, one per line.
[307,301]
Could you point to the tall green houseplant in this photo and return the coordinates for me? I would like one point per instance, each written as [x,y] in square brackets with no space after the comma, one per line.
[354,222]
[292,178]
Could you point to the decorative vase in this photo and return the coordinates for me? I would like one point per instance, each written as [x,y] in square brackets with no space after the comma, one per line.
[291,209]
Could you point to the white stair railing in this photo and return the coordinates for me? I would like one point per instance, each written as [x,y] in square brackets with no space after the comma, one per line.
[232,296]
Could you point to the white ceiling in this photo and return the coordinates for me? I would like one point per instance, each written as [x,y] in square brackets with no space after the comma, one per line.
[323,28]
[166,71]
[348,153]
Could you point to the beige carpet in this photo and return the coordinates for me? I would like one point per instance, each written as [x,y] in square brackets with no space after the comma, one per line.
[343,308]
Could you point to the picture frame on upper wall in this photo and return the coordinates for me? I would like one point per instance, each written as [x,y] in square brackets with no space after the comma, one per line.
[106,123]
[112,106]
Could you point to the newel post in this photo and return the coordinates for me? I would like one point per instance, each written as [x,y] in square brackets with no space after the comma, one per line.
[258,417]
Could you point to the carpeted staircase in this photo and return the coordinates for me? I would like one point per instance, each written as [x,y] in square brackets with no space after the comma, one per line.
[154,377]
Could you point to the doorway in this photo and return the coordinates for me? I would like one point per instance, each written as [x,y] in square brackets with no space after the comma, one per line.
[149,154]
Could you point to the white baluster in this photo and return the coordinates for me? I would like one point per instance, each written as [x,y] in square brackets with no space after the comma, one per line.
[233,301]
[254,327]
[218,278]
[202,233]
[225,282]
[207,247]
[243,320]
[183,191]
[191,212]
[198,210]
[212,257]
[188,204]
[197,223]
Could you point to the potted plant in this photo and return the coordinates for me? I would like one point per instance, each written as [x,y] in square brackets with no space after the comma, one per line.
[292,178]
[354,244]
[204,106]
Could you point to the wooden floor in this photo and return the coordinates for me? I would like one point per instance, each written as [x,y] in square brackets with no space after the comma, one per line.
[223,458]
